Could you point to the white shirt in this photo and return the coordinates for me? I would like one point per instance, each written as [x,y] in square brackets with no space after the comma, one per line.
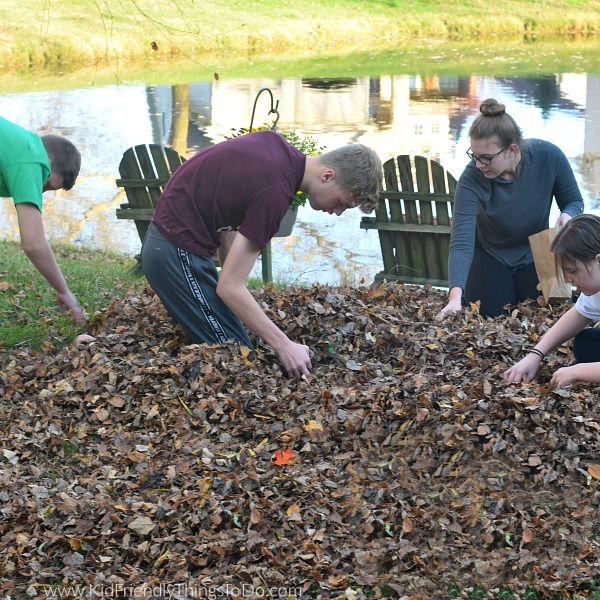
[589,306]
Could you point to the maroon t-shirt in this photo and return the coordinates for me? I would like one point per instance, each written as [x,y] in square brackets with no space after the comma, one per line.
[244,184]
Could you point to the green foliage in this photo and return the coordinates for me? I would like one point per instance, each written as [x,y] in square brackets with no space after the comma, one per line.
[69,447]
[478,593]
[257,282]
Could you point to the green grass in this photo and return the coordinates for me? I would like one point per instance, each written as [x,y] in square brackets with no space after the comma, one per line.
[39,33]
[29,315]
[257,282]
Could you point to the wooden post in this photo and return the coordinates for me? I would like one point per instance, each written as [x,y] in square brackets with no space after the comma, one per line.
[267,270]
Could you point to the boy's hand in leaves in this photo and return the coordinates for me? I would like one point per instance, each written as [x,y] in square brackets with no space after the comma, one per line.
[68,303]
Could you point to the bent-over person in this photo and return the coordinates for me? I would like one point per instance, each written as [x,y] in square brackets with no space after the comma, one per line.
[229,200]
[29,166]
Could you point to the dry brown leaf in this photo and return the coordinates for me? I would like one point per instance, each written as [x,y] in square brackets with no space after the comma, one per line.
[407,525]
[142,525]
[594,470]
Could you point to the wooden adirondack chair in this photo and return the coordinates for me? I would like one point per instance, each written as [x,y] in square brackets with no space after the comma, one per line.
[144,172]
[414,218]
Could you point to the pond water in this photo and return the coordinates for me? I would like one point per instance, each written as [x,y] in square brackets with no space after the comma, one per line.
[394,113]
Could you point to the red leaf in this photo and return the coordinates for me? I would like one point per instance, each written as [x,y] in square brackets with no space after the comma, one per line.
[282,457]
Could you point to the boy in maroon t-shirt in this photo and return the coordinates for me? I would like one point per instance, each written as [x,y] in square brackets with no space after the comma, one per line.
[229,199]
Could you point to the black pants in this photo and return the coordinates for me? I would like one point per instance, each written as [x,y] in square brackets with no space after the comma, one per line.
[187,286]
[495,284]
[586,345]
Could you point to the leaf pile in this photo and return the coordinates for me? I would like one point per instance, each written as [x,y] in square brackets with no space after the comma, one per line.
[402,465]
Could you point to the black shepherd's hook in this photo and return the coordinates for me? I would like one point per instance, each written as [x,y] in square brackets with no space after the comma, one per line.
[273,110]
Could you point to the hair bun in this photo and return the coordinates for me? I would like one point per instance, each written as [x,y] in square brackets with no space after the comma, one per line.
[492,108]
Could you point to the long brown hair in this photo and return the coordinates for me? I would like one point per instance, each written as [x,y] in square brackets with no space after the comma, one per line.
[494,121]
[577,240]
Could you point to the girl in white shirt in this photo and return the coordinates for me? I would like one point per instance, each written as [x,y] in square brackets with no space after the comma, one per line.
[576,249]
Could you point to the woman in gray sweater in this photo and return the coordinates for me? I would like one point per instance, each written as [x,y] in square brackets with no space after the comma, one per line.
[502,197]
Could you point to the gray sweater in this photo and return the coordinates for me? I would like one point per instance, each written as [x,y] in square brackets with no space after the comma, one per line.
[504,213]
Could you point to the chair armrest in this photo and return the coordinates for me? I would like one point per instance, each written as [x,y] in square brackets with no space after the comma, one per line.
[139,214]
[373,223]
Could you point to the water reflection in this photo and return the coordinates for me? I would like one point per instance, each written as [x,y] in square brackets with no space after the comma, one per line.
[394,114]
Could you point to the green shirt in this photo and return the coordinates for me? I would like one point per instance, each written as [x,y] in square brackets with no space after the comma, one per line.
[24,165]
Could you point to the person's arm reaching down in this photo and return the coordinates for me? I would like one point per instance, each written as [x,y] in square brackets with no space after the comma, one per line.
[567,327]
[38,250]
[231,288]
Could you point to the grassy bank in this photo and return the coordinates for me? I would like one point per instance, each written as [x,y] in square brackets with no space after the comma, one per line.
[71,32]
[28,312]
[511,56]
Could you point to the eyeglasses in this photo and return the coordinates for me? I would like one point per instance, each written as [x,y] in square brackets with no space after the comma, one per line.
[484,160]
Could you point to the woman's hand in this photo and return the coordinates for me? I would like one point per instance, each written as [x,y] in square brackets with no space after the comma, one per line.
[562,219]
[579,372]
[453,306]
[454,303]
[525,370]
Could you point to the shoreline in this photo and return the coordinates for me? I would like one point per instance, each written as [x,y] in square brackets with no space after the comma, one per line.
[507,57]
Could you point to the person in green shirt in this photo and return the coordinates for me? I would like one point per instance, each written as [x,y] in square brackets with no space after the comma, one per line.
[29,166]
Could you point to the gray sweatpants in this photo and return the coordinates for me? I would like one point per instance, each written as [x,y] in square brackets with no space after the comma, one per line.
[187,286]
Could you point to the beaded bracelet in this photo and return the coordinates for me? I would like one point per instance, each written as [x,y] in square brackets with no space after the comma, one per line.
[538,352]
